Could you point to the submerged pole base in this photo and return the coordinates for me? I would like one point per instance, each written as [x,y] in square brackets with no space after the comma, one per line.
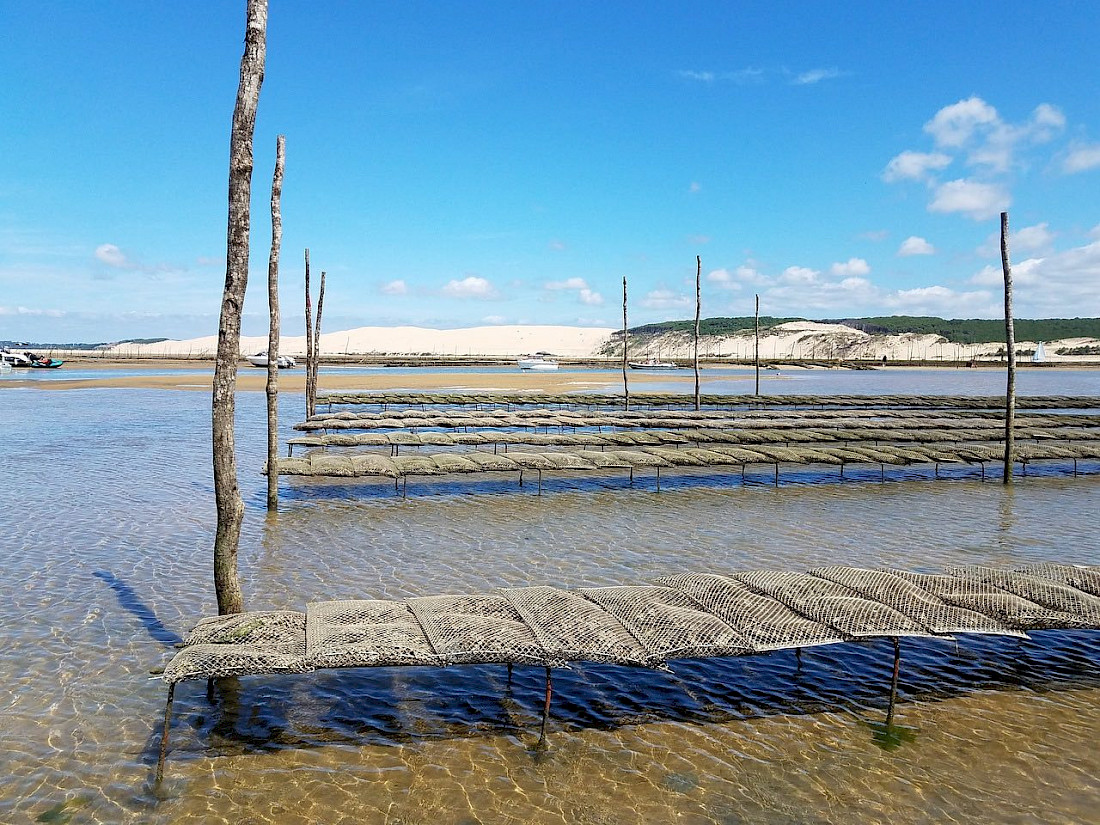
[164,733]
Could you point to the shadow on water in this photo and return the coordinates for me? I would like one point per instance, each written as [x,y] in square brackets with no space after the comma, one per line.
[389,706]
[129,600]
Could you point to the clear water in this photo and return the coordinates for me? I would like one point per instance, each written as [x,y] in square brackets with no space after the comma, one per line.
[105,543]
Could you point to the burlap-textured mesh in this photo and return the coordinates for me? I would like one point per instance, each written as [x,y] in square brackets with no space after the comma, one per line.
[694,615]
[1086,579]
[1036,589]
[973,594]
[764,622]
[919,605]
[572,628]
[471,629]
[366,633]
[668,623]
[832,604]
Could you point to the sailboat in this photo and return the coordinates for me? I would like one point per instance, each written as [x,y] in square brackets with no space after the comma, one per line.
[1040,354]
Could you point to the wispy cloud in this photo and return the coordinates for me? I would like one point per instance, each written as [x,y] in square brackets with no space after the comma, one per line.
[974,199]
[665,299]
[1081,158]
[585,295]
[397,287]
[915,166]
[813,76]
[471,286]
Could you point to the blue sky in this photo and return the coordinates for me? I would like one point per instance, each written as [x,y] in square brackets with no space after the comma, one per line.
[459,164]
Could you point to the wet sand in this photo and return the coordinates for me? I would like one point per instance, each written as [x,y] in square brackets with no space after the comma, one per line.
[199,375]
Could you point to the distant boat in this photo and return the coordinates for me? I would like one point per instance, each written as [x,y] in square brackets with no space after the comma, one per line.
[260,360]
[537,363]
[28,359]
[653,364]
[1040,354]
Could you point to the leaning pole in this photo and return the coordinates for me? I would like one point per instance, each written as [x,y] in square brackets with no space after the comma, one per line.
[1010,345]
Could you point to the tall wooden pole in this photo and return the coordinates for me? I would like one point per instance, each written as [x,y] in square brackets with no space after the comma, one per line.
[756,348]
[316,362]
[227,494]
[273,329]
[626,387]
[698,308]
[1010,344]
[309,343]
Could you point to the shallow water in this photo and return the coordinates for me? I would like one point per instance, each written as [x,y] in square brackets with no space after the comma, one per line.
[105,542]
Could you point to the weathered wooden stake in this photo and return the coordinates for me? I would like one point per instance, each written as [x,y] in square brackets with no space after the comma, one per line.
[1010,345]
[626,386]
[756,346]
[227,494]
[698,308]
[273,329]
[309,343]
[164,732]
[316,363]
[546,708]
[894,682]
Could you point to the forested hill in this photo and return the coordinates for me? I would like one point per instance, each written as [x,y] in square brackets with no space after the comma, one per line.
[959,331]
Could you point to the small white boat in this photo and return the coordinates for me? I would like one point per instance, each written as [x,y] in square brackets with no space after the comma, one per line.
[653,364]
[260,360]
[537,363]
[1040,354]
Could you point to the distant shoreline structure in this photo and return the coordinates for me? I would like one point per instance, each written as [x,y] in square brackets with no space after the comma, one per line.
[795,341]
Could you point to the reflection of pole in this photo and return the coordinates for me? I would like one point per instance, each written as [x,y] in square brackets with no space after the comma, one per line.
[756,348]
[546,708]
[626,388]
[1010,345]
[164,733]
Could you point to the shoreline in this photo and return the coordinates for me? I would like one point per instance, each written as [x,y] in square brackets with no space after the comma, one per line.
[197,375]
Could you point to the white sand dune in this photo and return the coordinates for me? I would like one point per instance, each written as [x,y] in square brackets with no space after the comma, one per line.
[797,340]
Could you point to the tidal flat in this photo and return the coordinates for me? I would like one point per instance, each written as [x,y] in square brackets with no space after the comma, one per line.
[106,540]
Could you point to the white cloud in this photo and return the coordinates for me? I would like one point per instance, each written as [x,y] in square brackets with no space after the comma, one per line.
[665,299]
[875,235]
[1082,158]
[494,320]
[27,311]
[689,74]
[1036,238]
[569,283]
[799,275]
[853,266]
[816,76]
[590,298]
[974,199]
[1059,285]
[915,166]
[695,186]
[557,246]
[111,255]
[471,286]
[914,245]
[397,287]
[954,125]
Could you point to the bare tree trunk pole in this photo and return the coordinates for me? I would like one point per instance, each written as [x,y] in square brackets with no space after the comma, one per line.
[1010,345]
[626,387]
[316,363]
[309,343]
[756,348]
[698,307]
[273,330]
[227,494]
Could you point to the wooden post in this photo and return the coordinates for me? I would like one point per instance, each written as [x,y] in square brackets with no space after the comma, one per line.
[1010,345]
[309,344]
[546,708]
[273,330]
[164,732]
[698,305]
[626,387]
[227,494]
[316,362]
[894,683]
[756,348]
